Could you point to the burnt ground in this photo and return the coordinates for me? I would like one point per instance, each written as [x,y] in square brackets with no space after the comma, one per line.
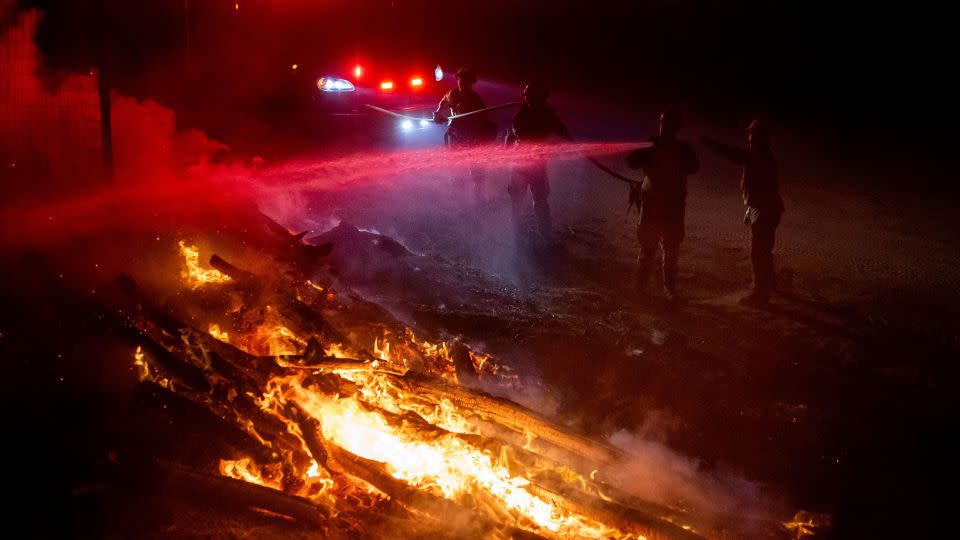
[839,397]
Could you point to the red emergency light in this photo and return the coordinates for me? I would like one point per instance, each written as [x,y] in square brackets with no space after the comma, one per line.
[416,81]
[386,86]
[357,71]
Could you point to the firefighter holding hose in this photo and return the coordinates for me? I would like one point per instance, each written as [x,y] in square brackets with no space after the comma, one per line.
[468,131]
[535,122]
[761,196]
[662,200]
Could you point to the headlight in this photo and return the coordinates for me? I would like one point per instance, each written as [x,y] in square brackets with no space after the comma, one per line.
[334,84]
[438,74]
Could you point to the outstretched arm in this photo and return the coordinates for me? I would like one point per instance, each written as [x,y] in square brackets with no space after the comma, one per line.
[729,152]
[639,158]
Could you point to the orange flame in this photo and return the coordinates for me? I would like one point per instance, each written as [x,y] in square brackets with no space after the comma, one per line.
[194,274]
[806,524]
[144,373]
[215,331]
[446,465]
[245,469]
[335,350]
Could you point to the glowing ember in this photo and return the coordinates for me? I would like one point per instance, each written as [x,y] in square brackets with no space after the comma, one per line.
[383,352]
[143,370]
[217,333]
[194,273]
[144,374]
[378,390]
[335,350]
[805,524]
[269,338]
[245,469]
[274,339]
[280,340]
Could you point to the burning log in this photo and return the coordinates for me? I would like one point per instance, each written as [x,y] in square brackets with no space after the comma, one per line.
[232,493]
[412,435]
[340,365]
[330,384]
[294,239]
[226,424]
[314,358]
[305,320]
[241,276]
[232,379]
[268,438]
[510,415]
[414,500]
[179,393]
[584,500]
[625,519]
[203,352]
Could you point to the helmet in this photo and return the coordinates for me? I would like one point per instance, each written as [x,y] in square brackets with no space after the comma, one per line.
[670,121]
[466,75]
[759,130]
[535,91]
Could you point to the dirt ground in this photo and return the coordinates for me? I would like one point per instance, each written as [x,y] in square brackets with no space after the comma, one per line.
[837,398]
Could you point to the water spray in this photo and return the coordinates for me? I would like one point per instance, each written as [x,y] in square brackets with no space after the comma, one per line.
[407,123]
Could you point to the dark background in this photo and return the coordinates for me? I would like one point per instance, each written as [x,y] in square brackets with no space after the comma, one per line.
[870,78]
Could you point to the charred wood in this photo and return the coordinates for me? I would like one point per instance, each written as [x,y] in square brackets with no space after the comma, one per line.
[302,317]
[615,515]
[584,498]
[241,276]
[509,414]
[291,247]
[414,500]
[238,492]
[218,421]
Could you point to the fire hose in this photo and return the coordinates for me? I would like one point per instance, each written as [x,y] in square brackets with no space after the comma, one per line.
[454,117]
[391,113]
[478,111]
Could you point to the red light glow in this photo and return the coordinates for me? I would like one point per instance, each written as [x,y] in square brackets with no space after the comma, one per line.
[386,85]
[357,71]
[416,81]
